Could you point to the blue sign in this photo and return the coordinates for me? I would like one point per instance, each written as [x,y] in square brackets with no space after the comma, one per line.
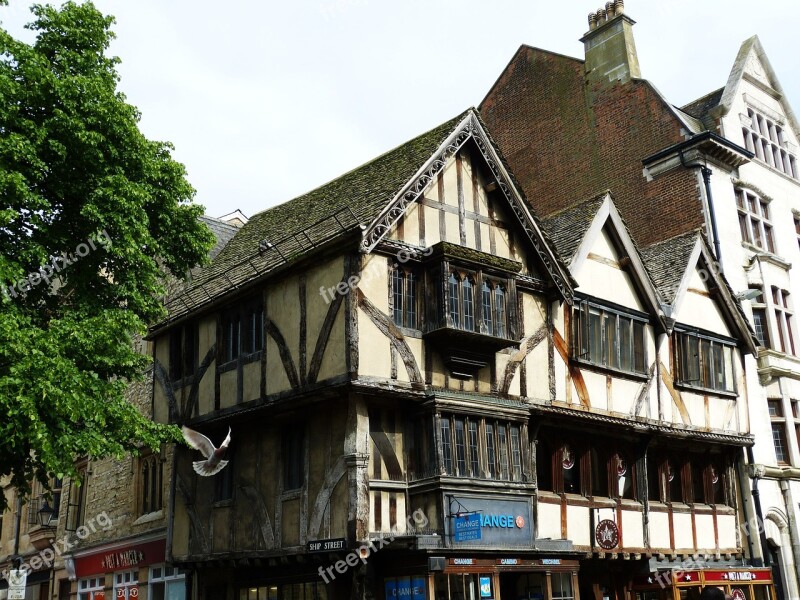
[486,587]
[405,588]
[492,522]
[467,527]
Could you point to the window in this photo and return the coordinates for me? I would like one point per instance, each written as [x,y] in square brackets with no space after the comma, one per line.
[126,585]
[760,324]
[704,362]
[464,449]
[696,479]
[404,297]
[76,501]
[783,320]
[754,220]
[183,351]
[562,586]
[91,589]
[459,586]
[473,307]
[778,420]
[493,307]
[151,472]
[293,445]
[560,466]
[768,141]
[608,338]
[243,330]
[285,591]
[167,583]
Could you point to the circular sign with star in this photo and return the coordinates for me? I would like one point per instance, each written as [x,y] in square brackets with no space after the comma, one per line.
[737,594]
[607,534]
[567,458]
[520,521]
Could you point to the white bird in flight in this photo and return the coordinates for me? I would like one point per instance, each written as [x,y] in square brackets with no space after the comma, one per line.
[213,463]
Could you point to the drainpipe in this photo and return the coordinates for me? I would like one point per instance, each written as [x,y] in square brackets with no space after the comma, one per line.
[706,173]
[789,502]
[762,536]
[740,479]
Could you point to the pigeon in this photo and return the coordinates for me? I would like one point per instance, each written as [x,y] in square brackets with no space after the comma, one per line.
[213,463]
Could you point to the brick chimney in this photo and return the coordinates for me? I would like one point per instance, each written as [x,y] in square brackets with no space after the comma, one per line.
[610,50]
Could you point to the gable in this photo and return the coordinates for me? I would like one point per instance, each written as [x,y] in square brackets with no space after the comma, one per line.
[602,274]
[697,306]
[462,206]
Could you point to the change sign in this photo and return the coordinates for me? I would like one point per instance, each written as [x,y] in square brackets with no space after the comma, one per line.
[467,527]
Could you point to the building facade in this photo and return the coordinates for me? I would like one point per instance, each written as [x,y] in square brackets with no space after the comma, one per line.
[433,394]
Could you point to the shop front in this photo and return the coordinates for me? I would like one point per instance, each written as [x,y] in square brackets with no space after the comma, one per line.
[675,584]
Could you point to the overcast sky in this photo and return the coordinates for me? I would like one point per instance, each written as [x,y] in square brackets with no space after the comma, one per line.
[266,100]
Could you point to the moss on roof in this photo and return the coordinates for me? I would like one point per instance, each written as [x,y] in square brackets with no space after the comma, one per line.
[364,191]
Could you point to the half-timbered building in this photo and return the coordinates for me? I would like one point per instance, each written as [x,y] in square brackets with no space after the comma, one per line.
[435,395]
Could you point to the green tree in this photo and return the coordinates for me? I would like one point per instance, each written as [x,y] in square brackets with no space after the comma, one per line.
[80,183]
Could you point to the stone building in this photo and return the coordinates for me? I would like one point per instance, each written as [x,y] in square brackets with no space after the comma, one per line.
[434,394]
[725,164]
[106,535]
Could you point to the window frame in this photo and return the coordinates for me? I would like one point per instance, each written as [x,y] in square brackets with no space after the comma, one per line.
[584,344]
[684,375]
[499,449]
[755,222]
[243,333]
[460,313]
[183,351]
[409,312]
[293,458]
[784,320]
[151,487]
[765,138]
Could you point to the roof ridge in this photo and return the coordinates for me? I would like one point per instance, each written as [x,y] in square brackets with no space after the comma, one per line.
[703,97]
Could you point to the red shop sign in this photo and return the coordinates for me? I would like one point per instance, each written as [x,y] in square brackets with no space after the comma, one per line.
[127,557]
[760,575]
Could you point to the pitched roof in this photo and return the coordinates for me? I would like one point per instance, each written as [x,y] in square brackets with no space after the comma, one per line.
[223,232]
[700,108]
[666,261]
[365,203]
[567,227]
[279,234]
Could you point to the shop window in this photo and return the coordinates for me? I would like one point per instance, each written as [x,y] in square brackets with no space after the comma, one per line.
[462,586]
[286,591]
[293,446]
[242,330]
[698,471]
[167,583]
[126,585]
[599,473]
[407,588]
[716,477]
[562,586]
[91,589]
[405,284]
[622,473]
[673,473]
[755,225]
[654,480]
[183,351]
[704,362]
[608,338]
[151,494]
[464,448]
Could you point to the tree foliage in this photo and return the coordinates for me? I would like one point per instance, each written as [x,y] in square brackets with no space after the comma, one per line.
[75,174]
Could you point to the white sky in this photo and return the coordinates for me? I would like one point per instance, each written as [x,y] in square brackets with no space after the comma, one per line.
[266,100]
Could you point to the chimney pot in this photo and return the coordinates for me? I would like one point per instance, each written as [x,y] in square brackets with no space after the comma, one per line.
[620,6]
[609,10]
[592,21]
[601,17]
